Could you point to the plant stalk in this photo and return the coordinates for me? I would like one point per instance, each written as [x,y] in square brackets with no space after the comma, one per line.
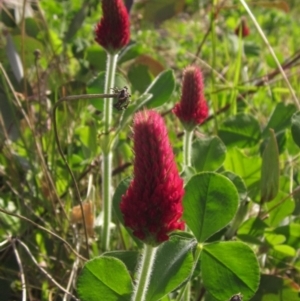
[187,155]
[187,147]
[144,273]
[106,151]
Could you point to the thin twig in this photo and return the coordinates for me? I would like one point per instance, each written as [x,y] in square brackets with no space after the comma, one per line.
[4,242]
[75,266]
[22,275]
[60,101]
[44,229]
[44,271]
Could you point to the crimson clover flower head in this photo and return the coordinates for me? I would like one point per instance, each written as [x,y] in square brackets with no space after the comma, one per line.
[152,205]
[243,27]
[113,30]
[192,108]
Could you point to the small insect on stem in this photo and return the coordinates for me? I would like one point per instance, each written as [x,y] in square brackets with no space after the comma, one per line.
[123,98]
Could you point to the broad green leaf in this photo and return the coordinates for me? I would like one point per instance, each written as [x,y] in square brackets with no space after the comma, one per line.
[276,288]
[280,255]
[210,202]
[279,209]
[229,268]
[161,89]
[269,184]
[240,130]
[285,250]
[7,16]
[117,198]
[252,230]
[292,234]
[88,137]
[33,27]
[56,41]
[96,86]
[129,258]
[208,154]
[235,297]
[96,56]
[75,161]
[274,239]
[104,278]
[139,76]
[238,183]
[29,46]
[280,118]
[296,128]
[172,266]
[209,297]
[252,49]
[248,168]
[290,145]
[130,52]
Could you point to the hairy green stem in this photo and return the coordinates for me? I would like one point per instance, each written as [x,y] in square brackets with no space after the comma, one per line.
[144,273]
[187,147]
[106,151]
[187,155]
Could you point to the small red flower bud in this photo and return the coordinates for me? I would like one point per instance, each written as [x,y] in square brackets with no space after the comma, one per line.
[152,205]
[243,27]
[113,30]
[192,108]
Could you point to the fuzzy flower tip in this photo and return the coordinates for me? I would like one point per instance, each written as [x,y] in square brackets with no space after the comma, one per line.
[192,108]
[243,28]
[113,30]
[152,205]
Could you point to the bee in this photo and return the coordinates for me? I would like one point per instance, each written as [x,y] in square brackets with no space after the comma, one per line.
[123,98]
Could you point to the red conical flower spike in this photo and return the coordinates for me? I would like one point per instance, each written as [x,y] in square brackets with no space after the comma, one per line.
[243,27]
[152,205]
[113,30]
[192,108]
